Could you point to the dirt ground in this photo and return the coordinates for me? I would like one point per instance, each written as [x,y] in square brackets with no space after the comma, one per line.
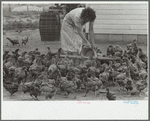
[34,42]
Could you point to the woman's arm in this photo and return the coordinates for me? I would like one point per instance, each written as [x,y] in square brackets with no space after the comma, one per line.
[91,33]
[79,29]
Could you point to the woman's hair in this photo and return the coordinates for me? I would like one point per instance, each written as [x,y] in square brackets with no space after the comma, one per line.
[88,13]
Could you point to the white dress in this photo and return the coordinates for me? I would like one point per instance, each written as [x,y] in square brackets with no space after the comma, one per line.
[70,39]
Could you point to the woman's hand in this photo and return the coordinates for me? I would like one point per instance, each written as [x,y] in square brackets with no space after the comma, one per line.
[86,43]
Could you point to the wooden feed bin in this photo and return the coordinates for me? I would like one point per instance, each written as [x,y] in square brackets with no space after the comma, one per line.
[49,26]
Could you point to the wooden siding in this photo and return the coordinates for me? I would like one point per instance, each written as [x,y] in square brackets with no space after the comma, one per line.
[120,18]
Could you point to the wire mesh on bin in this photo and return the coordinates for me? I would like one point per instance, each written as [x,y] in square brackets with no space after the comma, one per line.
[49,26]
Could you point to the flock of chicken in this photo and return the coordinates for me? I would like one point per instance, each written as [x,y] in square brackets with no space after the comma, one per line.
[49,74]
[15,41]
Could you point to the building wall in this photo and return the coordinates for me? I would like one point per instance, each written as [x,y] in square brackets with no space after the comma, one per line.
[120,21]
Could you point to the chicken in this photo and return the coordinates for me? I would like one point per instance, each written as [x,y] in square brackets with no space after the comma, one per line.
[121,79]
[24,40]
[6,58]
[19,74]
[5,73]
[54,75]
[118,51]
[143,56]
[57,54]
[35,69]
[116,65]
[52,68]
[67,86]
[125,54]
[91,71]
[29,60]
[95,65]
[99,52]
[13,41]
[63,69]
[49,51]
[11,87]
[26,86]
[70,75]
[133,70]
[75,70]
[89,85]
[130,50]
[5,55]
[98,82]
[82,66]
[48,58]
[23,54]
[122,69]
[11,62]
[110,50]
[129,85]
[40,79]
[70,62]
[37,66]
[16,53]
[93,84]
[129,46]
[102,67]
[121,84]
[36,51]
[88,62]
[112,75]
[39,60]
[138,63]
[32,88]
[135,48]
[21,58]
[105,75]
[19,31]
[110,96]
[141,85]
[78,82]
[49,89]
[143,75]
[35,91]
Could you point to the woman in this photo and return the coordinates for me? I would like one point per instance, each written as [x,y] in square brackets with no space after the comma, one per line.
[72,36]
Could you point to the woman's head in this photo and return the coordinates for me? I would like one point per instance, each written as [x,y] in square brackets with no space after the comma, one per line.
[88,15]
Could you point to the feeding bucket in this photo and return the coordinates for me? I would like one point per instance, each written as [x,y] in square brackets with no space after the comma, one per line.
[88,52]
